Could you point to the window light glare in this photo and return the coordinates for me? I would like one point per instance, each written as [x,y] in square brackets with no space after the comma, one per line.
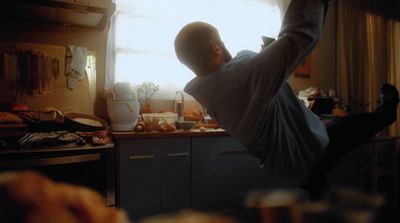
[146,29]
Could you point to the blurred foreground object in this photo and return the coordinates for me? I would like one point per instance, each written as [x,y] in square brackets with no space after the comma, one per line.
[28,197]
[339,205]
[189,216]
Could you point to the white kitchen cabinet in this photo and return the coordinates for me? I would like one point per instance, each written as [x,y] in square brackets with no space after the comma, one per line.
[154,175]
[222,173]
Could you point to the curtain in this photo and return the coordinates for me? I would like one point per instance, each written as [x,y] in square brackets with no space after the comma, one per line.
[140,45]
[110,55]
[367,55]
[393,39]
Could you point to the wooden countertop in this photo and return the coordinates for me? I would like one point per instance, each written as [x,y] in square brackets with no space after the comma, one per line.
[177,133]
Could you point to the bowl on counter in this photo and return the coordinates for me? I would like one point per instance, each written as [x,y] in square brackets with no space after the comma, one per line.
[186,125]
[168,117]
[79,122]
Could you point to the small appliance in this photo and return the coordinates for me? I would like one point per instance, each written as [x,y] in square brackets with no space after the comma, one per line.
[123,107]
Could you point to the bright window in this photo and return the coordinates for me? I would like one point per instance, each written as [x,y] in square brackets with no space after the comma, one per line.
[145,31]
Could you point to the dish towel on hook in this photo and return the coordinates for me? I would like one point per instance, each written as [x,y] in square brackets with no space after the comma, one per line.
[76,64]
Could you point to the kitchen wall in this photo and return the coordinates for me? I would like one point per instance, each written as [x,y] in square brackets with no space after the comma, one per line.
[322,74]
[94,40]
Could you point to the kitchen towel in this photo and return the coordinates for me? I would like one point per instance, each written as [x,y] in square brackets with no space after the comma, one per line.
[77,65]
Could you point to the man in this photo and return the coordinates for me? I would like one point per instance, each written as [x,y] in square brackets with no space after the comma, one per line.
[250,98]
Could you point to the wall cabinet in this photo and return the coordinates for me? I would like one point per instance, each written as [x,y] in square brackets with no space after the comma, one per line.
[154,175]
[158,175]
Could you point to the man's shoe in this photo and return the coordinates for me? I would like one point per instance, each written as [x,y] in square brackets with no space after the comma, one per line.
[389,96]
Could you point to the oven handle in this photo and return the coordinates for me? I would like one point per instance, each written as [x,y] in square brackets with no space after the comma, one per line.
[35,162]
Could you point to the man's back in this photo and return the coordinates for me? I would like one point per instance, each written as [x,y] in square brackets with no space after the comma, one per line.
[279,130]
[250,97]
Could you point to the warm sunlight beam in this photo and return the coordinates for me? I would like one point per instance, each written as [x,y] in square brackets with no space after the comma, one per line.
[145,32]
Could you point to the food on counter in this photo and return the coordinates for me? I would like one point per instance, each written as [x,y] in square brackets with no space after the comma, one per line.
[32,198]
[166,127]
[50,114]
[7,117]
[148,127]
[140,127]
[96,137]
[69,137]
[163,122]
[89,122]
[156,118]
[19,107]
[47,116]
[97,140]
[26,116]
[192,115]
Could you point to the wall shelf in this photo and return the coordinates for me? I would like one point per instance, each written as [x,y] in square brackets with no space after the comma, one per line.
[90,14]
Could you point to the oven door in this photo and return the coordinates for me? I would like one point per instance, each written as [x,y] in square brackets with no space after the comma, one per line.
[90,169]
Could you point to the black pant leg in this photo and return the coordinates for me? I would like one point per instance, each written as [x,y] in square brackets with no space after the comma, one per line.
[345,134]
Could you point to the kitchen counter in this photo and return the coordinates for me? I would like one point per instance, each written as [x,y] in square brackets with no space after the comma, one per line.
[177,133]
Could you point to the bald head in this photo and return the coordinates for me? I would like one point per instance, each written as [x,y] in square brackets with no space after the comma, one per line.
[199,46]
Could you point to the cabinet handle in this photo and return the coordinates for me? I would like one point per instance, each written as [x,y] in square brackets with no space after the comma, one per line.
[177,154]
[234,152]
[141,157]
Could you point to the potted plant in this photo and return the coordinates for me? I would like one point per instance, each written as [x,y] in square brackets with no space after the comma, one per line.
[144,93]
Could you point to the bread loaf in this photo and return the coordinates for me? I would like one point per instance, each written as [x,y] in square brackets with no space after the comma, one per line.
[28,197]
[189,216]
[191,115]
[7,117]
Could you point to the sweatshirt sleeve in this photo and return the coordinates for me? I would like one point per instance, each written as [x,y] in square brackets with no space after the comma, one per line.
[300,32]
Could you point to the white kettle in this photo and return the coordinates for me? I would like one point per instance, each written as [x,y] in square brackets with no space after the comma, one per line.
[123,107]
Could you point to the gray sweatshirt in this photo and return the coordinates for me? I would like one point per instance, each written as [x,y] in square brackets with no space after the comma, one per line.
[250,98]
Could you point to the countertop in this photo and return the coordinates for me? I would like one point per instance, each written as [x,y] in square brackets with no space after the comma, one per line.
[177,133]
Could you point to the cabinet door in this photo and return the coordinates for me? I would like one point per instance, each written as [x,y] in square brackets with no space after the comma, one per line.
[222,168]
[175,174]
[139,177]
